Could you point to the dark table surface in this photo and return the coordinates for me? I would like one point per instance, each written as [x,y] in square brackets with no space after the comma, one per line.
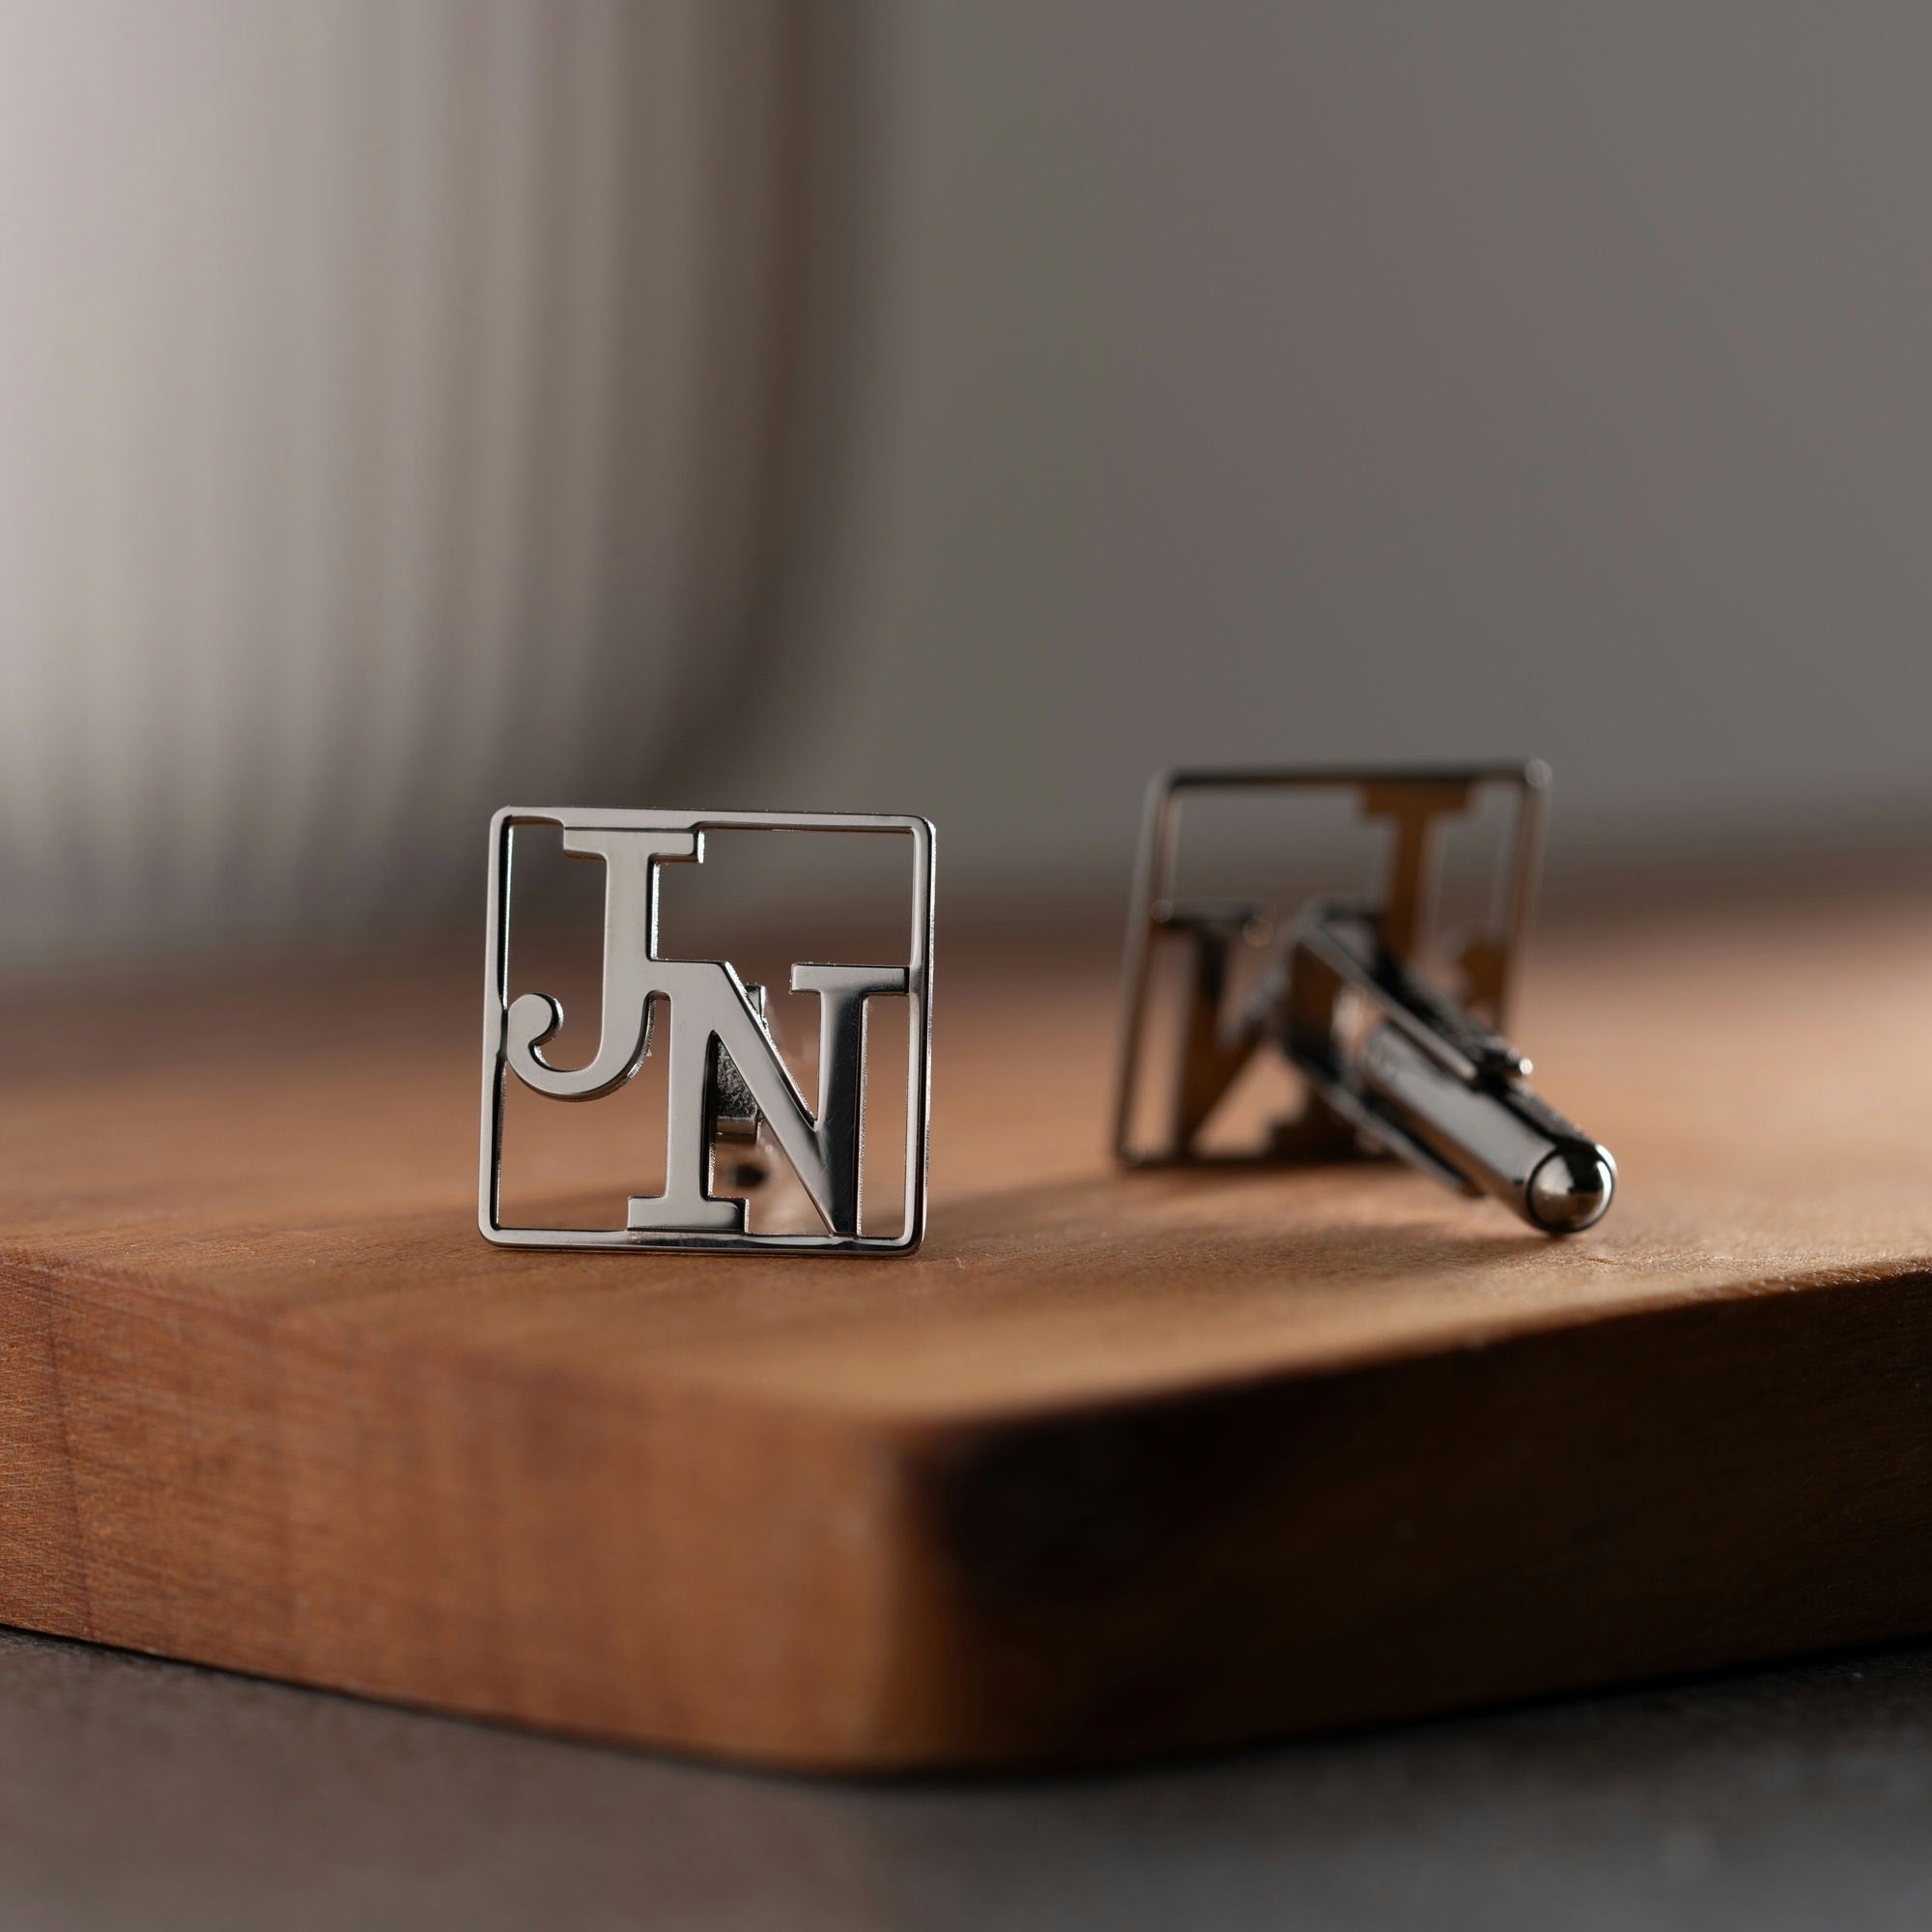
[136,1792]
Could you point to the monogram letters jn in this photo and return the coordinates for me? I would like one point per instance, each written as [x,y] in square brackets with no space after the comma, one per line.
[710,1011]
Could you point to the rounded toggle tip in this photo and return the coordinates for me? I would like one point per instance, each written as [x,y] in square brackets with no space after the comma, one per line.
[1570,1189]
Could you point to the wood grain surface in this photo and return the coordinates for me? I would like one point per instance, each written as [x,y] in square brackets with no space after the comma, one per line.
[1117,1465]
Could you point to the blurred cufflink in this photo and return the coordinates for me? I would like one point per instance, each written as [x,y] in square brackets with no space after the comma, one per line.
[1390,1062]
[726,1079]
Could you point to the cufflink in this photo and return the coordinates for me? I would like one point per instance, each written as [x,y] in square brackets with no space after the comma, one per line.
[727,1080]
[1390,1062]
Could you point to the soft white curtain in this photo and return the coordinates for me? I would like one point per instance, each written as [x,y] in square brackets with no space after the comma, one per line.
[381,438]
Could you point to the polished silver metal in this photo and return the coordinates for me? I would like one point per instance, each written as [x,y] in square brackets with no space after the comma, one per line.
[727,1079]
[1390,1062]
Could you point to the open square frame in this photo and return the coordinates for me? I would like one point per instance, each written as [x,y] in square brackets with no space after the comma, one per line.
[495,1009]
[1409,888]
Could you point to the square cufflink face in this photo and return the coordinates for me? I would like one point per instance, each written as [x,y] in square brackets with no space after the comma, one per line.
[1174,1077]
[726,1073]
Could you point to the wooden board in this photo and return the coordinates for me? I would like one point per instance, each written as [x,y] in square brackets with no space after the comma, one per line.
[1117,1465]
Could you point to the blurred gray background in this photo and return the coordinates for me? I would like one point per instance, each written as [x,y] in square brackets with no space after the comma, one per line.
[406,408]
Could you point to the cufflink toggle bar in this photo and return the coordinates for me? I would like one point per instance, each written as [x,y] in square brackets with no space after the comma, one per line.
[1426,1081]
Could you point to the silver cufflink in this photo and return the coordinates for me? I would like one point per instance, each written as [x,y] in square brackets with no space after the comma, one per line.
[1389,1063]
[727,1082]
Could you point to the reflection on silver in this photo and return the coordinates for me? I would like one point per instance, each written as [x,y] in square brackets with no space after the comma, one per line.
[1391,1063]
[726,1075]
